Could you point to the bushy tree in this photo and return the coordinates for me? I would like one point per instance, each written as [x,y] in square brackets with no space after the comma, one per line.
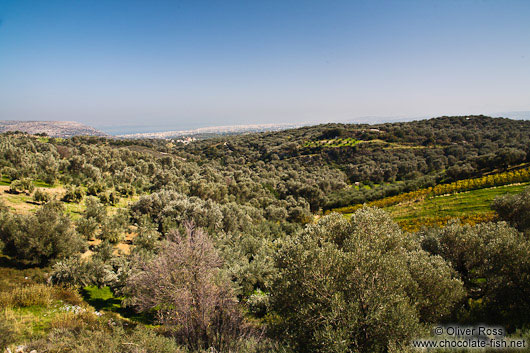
[72,271]
[41,196]
[42,237]
[358,286]
[104,268]
[87,227]
[147,239]
[74,194]
[22,185]
[114,227]
[109,198]
[94,209]
[492,260]
[94,216]
[515,209]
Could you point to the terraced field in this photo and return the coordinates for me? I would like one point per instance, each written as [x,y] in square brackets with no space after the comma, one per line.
[350,142]
[464,203]
[469,207]
[336,142]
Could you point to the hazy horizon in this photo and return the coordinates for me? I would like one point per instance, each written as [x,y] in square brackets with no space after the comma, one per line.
[147,128]
[123,129]
[135,66]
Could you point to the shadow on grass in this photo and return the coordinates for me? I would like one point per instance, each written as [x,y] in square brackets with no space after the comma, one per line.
[15,273]
[102,299]
[8,262]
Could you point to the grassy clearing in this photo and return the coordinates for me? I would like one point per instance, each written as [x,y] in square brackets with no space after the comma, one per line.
[515,177]
[349,141]
[27,296]
[17,199]
[22,203]
[42,184]
[28,307]
[31,309]
[18,203]
[74,210]
[124,202]
[102,299]
[470,207]
[33,322]
[13,274]
[4,181]
[392,145]
[331,143]
[456,205]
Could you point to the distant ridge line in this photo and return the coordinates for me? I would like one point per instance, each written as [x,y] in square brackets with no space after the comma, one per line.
[51,128]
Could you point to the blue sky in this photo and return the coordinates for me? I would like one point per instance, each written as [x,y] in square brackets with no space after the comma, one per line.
[150,65]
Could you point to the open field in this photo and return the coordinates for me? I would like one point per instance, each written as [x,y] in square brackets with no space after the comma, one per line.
[469,206]
[336,142]
[22,203]
[464,203]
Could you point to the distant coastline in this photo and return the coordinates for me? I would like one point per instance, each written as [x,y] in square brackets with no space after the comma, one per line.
[227,129]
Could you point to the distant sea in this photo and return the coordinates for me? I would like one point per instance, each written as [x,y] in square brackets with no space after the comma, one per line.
[190,125]
[138,129]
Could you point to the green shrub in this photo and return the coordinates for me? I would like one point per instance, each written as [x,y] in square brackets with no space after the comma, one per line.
[41,196]
[95,188]
[515,209]
[42,237]
[87,227]
[113,229]
[109,198]
[72,271]
[359,285]
[21,185]
[492,260]
[94,209]
[74,194]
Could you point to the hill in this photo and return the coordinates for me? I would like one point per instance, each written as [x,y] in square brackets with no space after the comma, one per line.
[97,234]
[51,128]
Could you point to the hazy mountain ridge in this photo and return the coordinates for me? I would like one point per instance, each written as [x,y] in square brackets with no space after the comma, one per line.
[51,128]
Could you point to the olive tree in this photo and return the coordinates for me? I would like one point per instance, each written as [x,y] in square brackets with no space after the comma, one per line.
[515,209]
[42,237]
[358,286]
[22,185]
[492,260]
[41,196]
